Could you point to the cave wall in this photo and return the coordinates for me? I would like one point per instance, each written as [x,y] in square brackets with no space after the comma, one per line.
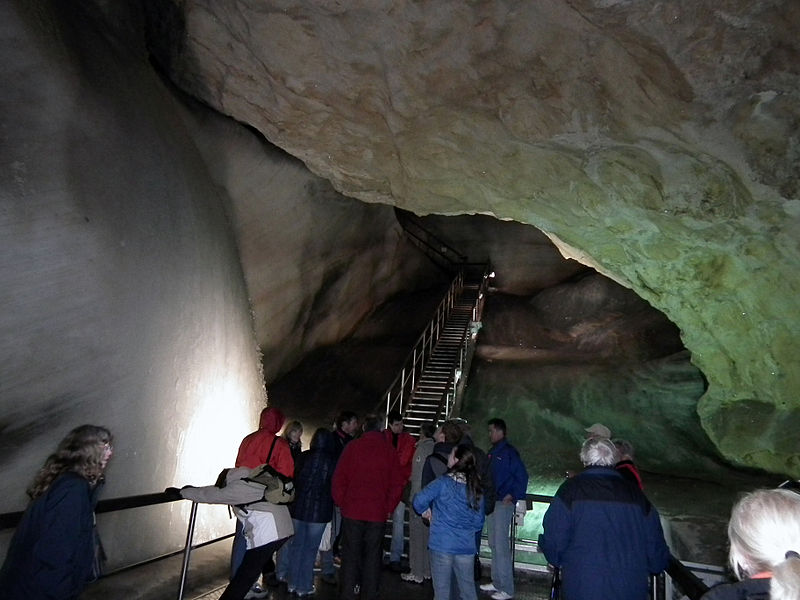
[656,142]
[123,300]
[316,262]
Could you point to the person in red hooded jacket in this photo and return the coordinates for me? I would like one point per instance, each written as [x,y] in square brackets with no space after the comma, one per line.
[263,446]
[256,447]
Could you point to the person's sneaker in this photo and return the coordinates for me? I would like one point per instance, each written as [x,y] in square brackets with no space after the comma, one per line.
[411,578]
[501,596]
[330,579]
[310,592]
[256,592]
[488,587]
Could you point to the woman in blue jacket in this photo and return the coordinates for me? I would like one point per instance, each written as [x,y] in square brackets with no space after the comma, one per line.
[454,504]
[55,550]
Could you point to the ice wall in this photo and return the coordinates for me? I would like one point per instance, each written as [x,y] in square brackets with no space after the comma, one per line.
[122,300]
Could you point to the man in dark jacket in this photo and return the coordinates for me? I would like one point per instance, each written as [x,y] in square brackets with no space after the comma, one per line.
[602,531]
[511,484]
[344,432]
[447,437]
[403,443]
[367,485]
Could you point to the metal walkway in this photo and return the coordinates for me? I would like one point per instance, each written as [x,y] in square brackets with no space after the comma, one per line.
[529,586]
[434,393]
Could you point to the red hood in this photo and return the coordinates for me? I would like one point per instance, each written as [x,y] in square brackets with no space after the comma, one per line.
[271,419]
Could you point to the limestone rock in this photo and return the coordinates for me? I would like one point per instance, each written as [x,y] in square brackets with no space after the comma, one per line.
[658,141]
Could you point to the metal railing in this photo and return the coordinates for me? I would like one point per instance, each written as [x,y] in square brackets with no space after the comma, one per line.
[404,383]
[459,371]
[435,248]
[448,399]
[12,519]
[692,586]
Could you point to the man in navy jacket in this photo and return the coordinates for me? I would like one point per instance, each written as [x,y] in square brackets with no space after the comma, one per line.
[510,483]
[603,532]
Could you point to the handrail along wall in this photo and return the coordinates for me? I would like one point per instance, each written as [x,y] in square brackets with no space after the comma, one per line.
[689,583]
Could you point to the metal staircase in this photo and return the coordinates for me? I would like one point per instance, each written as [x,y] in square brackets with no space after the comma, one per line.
[434,397]
[429,384]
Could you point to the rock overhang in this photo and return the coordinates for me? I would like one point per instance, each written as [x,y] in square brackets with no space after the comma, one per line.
[658,142]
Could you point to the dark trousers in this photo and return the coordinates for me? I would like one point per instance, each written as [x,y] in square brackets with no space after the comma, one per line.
[238,549]
[252,564]
[361,558]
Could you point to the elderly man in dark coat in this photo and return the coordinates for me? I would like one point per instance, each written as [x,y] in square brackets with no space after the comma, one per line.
[603,532]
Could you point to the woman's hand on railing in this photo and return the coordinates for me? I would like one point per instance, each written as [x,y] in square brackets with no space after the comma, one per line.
[173,493]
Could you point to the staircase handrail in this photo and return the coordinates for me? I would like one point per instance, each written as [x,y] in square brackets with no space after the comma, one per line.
[451,380]
[405,218]
[477,310]
[437,252]
[421,350]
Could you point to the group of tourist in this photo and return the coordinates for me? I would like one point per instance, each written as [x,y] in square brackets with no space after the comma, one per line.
[600,531]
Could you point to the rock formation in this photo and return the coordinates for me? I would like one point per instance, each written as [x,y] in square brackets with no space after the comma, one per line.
[656,142]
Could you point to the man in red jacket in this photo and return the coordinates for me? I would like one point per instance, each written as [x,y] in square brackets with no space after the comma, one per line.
[403,444]
[263,446]
[367,485]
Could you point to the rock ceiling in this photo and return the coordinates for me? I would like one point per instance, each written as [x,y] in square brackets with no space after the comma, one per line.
[655,141]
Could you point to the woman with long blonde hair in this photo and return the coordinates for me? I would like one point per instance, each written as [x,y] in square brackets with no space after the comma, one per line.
[55,550]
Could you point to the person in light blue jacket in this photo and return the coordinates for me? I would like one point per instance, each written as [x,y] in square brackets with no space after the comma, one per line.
[454,504]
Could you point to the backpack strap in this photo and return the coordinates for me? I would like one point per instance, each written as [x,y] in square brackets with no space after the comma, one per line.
[271,448]
[438,456]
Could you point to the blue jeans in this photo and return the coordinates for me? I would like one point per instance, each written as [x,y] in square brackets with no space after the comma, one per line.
[499,529]
[284,559]
[444,566]
[398,533]
[326,557]
[238,548]
[301,555]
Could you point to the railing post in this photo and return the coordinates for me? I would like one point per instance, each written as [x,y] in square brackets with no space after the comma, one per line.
[187,550]
[658,587]
[414,371]
[402,388]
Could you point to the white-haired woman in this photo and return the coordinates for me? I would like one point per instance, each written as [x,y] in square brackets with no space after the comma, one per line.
[764,535]
[55,549]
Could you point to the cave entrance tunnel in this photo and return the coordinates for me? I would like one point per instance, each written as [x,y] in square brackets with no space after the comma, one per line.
[561,347]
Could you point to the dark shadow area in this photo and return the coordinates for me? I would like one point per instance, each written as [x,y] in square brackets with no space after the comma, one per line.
[353,374]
